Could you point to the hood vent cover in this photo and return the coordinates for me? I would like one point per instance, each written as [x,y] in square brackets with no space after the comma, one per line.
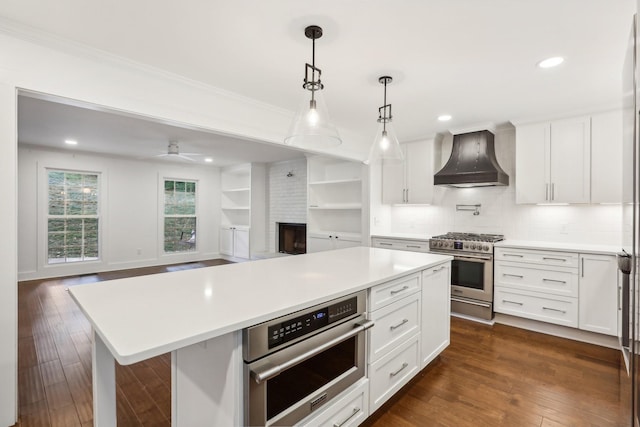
[472,163]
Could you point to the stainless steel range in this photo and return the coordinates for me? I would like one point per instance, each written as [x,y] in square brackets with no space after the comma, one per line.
[471,271]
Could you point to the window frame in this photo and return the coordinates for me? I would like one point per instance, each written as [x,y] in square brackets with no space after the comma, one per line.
[162,215]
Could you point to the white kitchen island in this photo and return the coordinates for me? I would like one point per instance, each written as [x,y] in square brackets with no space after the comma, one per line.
[199,314]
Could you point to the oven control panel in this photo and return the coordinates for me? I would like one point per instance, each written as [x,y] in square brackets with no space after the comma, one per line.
[455,245]
[282,332]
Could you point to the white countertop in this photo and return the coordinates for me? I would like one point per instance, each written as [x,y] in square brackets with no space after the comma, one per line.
[404,236]
[560,246]
[142,317]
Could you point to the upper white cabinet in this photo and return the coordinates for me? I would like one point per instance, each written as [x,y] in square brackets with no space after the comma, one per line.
[410,182]
[606,157]
[335,208]
[553,161]
[576,160]
[243,205]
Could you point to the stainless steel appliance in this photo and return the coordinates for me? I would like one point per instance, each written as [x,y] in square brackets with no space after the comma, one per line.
[296,363]
[471,271]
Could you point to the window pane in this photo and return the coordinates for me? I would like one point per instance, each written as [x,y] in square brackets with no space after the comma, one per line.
[180,234]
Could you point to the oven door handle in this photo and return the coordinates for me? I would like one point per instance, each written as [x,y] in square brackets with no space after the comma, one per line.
[473,257]
[269,371]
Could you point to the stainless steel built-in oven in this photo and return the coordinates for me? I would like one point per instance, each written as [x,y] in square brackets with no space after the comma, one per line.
[471,271]
[296,363]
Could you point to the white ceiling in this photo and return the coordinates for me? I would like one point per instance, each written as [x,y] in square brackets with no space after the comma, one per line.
[473,59]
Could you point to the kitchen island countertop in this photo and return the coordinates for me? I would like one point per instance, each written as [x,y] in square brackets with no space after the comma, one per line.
[142,317]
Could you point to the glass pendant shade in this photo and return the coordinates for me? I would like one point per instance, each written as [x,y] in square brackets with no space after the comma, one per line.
[385,148]
[311,127]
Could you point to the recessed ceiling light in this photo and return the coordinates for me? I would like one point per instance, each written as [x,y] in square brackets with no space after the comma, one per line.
[444,118]
[208,160]
[551,62]
[70,142]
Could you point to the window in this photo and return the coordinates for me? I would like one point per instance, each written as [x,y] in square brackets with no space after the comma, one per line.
[72,217]
[179,216]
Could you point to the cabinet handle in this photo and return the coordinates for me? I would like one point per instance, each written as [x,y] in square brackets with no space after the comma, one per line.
[397,291]
[385,244]
[435,270]
[553,191]
[404,198]
[555,309]
[407,195]
[619,297]
[513,275]
[393,374]
[582,266]
[554,259]
[546,191]
[512,302]
[515,255]
[394,327]
[355,411]
[554,280]
[413,246]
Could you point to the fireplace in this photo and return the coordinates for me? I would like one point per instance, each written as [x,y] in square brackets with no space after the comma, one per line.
[292,238]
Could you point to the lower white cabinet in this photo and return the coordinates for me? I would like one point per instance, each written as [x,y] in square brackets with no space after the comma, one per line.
[348,411]
[537,306]
[436,316]
[388,374]
[234,241]
[318,242]
[400,244]
[394,324]
[599,294]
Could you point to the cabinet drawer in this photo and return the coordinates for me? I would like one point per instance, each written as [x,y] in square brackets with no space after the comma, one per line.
[393,371]
[558,281]
[402,245]
[530,256]
[393,325]
[349,409]
[388,292]
[537,306]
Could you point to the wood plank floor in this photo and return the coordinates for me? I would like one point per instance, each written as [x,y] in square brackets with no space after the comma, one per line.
[489,376]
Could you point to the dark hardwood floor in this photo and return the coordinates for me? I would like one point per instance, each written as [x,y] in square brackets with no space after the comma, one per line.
[489,376]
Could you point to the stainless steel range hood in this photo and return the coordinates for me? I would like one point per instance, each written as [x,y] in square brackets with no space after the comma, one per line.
[472,163]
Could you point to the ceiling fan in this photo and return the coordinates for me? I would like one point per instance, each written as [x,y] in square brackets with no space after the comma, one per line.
[173,152]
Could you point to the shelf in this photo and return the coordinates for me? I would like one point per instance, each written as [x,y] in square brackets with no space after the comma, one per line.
[236,190]
[236,208]
[337,181]
[337,206]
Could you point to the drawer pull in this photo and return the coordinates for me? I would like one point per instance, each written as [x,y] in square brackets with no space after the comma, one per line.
[397,291]
[355,411]
[554,259]
[512,302]
[385,244]
[555,309]
[414,246]
[393,374]
[554,281]
[435,270]
[515,255]
[393,327]
[513,275]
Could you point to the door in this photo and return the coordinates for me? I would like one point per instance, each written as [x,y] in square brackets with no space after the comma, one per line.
[571,160]
[419,165]
[435,315]
[393,181]
[598,294]
[226,240]
[339,243]
[532,178]
[319,243]
[241,243]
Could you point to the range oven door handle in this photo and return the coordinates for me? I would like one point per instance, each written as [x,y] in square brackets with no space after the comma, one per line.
[481,304]
[269,371]
[473,257]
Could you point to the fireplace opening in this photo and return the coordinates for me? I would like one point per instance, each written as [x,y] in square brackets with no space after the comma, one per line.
[292,238]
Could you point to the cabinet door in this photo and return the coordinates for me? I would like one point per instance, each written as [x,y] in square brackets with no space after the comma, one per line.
[419,172]
[393,182]
[606,157]
[436,294]
[319,243]
[532,173]
[226,241]
[339,243]
[571,160]
[598,301]
[241,243]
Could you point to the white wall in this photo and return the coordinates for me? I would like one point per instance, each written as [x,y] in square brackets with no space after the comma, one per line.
[287,196]
[131,198]
[596,224]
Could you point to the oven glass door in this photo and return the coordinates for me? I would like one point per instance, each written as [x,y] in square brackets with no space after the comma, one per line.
[306,378]
[468,274]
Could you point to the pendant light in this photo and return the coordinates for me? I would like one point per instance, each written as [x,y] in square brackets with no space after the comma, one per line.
[311,127]
[385,148]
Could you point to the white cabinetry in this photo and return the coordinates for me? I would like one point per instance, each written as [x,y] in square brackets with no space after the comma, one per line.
[400,244]
[234,241]
[410,182]
[436,316]
[335,209]
[565,288]
[606,157]
[350,410]
[243,205]
[553,161]
[599,293]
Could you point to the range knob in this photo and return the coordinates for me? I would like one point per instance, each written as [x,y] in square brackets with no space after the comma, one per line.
[485,247]
[473,246]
